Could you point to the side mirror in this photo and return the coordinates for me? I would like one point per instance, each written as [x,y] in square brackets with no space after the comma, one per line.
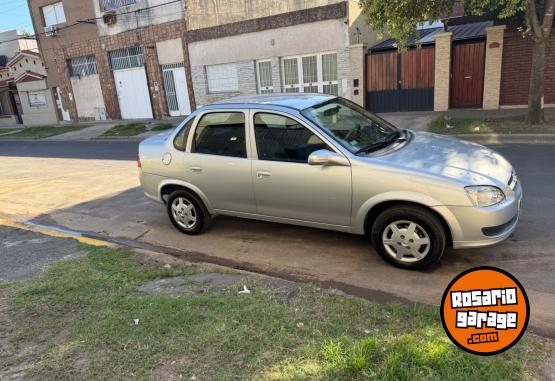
[326,157]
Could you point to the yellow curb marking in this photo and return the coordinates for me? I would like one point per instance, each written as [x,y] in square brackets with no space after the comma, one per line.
[54,233]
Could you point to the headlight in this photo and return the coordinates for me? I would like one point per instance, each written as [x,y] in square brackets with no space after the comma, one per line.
[483,195]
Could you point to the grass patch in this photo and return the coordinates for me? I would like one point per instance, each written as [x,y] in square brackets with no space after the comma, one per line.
[131,129]
[443,125]
[81,314]
[162,127]
[42,132]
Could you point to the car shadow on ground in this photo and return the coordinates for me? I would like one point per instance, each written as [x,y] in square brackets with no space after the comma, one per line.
[333,259]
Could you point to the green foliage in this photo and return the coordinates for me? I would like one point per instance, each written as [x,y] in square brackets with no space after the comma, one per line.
[41,132]
[401,18]
[454,126]
[79,315]
[131,129]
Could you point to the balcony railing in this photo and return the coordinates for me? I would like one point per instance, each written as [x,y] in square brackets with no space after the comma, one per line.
[108,5]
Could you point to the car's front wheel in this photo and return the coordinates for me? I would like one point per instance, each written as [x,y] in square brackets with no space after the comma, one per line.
[409,237]
[187,213]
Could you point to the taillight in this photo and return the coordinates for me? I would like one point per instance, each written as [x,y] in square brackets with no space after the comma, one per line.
[139,160]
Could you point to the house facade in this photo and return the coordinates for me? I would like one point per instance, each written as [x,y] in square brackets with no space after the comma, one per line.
[142,59]
[467,63]
[115,59]
[36,101]
[11,44]
[244,47]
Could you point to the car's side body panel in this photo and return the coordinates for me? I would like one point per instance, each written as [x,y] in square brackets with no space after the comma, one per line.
[335,197]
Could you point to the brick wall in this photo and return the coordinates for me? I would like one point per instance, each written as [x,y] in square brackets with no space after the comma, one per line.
[247,83]
[100,46]
[516,68]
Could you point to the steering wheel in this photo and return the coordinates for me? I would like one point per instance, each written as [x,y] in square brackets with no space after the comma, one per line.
[354,131]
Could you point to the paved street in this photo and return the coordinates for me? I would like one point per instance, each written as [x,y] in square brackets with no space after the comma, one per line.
[93,186]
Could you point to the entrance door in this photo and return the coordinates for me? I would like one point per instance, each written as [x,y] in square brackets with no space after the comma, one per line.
[177,94]
[61,111]
[467,75]
[133,93]
[285,185]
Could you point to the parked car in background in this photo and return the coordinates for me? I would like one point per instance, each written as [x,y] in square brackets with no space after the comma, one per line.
[322,161]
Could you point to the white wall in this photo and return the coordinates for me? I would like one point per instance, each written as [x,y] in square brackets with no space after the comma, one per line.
[170,51]
[154,16]
[299,39]
[37,116]
[88,95]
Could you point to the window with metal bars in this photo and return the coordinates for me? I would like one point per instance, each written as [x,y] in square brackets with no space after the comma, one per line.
[265,81]
[127,58]
[108,5]
[83,66]
[314,73]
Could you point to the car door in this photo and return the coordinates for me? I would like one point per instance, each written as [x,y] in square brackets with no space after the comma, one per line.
[218,162]
[285,185]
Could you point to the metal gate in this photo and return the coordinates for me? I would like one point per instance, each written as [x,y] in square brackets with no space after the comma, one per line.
[400,81]
[177,93]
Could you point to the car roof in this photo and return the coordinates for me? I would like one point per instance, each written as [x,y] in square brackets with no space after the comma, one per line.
[295,101]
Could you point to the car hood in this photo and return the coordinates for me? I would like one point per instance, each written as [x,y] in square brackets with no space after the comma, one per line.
[467,162]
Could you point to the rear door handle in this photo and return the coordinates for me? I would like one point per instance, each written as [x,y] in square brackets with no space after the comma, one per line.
[196,169]
[263,174]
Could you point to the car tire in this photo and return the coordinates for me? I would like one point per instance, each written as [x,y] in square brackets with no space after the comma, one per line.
[409,237]
[187,212]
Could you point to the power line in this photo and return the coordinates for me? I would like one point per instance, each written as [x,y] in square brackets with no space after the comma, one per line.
[90,20]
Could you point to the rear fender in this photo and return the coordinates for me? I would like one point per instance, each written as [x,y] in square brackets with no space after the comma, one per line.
[188,186]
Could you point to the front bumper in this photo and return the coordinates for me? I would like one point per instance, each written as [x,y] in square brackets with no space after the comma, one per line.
[473,227]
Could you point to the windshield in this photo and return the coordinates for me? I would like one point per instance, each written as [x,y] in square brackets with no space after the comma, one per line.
[355,128]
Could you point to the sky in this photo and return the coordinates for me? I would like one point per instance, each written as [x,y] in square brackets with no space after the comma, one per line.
[14,14]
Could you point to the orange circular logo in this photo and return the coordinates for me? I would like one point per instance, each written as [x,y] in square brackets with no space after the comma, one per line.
[485,311]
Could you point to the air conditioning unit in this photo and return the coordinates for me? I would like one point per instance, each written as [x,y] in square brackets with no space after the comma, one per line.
[51,31]
[109,18]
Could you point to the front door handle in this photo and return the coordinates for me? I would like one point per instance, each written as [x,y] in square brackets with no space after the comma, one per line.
[263,174]
[196,169]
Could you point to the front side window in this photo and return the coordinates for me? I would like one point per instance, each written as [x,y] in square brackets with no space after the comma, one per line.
[53,14]
[279,138]
[355,128]
[221,134]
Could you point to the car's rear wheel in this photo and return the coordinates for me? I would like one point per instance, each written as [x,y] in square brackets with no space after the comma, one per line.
[187,213]
[409,237]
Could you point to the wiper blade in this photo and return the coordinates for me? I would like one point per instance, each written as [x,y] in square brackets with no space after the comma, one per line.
[373,147]
[398,137]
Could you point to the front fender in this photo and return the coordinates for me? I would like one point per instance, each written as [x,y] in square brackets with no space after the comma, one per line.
[405,196]
[189,186]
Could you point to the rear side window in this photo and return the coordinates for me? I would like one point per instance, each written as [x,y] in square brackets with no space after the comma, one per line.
[221,134]
[180,141]
[279,138]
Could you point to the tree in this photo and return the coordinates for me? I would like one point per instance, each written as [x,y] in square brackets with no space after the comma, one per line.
[400,19]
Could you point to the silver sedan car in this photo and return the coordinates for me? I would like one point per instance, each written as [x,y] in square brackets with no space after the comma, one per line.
[322,161]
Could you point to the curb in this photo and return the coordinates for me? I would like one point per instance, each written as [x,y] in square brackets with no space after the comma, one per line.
[507,138]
